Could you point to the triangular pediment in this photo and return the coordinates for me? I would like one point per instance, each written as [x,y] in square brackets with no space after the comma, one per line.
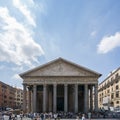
[60,67]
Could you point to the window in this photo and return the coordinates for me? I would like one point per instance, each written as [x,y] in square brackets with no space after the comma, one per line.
[117,102]
[117,94]
[5,101]
[5,96]
[116,75]
[117,87]
[112,79]
[112,96]
[116,78]
[112,88]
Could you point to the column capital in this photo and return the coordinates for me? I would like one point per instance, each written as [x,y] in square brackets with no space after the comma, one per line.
[55,84]
[76,85]
[34,86]
[24,84]
[44,85]
[29,88]
[65,84]
[96,85]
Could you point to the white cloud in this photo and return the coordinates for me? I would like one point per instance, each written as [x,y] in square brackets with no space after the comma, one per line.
[16,42]
[17,81]
[18,68]
[16,77]
[108,43]
[23,8]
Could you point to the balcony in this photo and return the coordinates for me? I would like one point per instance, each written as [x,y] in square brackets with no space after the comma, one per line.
[117,78]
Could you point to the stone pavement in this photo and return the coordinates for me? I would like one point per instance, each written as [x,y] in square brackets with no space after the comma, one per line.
[69,119]
[75,119]
[7,118]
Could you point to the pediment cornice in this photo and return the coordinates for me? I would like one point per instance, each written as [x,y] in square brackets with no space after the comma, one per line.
[60,67]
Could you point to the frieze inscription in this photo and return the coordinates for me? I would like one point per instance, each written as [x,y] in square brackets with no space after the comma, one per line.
[62,80]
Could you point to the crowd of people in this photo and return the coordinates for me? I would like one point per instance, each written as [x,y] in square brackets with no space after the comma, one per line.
[59,115]
[71,115]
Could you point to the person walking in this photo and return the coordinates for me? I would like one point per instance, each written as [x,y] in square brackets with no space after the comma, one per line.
[83,117]
[77,118]
[55,116]
[42,116]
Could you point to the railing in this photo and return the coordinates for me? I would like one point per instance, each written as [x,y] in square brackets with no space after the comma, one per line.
[115,80]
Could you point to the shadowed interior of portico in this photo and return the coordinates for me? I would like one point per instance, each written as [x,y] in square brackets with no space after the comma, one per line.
[60,98]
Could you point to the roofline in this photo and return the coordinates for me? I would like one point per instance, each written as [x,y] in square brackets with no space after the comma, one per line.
[82,67]
[2,83]
[109,75]
[43,65]
[40,66]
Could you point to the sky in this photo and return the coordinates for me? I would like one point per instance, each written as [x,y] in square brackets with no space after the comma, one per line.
[34,32]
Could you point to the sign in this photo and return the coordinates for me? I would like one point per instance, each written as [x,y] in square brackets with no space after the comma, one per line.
[106,100]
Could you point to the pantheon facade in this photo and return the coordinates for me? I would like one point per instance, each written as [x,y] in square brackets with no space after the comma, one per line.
[60,85]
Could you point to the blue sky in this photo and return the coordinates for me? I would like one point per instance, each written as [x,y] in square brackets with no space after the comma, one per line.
[33,32]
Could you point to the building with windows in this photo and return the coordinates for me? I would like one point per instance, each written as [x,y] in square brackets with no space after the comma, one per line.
[109,91]
[18,98]
[7,96]
[10,97]
[60,85]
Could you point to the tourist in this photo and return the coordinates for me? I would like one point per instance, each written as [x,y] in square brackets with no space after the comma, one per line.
[89,115]
[1,116]
[42,116]
[77,118]
[38,117]
[10,117]
[83,117]
[21,116]
[55,116]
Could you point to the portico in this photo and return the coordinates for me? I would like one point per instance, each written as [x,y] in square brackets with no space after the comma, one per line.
[60,85]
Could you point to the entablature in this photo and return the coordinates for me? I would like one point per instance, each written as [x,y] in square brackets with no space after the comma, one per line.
[60,80]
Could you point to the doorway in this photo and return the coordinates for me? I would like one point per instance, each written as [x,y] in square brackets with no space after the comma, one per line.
[60,98]
[60,104]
